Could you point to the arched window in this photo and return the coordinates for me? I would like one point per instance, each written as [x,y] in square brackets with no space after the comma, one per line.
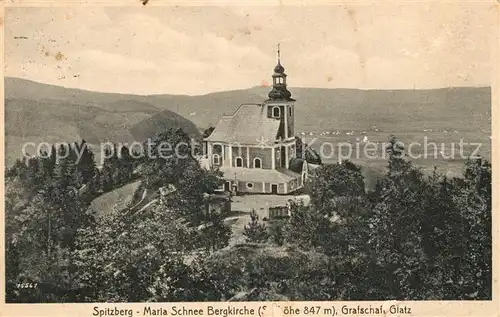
[216,159]
[217,149]
[239,162]
[276,112]
[257,163]
[290,111]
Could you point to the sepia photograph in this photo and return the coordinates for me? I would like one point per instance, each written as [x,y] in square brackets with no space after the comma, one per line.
[263,153]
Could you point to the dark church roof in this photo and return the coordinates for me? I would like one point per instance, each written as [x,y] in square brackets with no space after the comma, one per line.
[296,165]
[279,69]
[280,93]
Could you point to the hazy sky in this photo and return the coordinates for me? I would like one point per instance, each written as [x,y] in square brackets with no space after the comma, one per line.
[196,50]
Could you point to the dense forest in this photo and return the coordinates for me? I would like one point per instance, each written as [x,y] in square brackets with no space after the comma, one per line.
[416,236]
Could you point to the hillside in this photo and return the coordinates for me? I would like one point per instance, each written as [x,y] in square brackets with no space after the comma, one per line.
[319,109]
[410,114]
[44,113]
[117,199]
[316,108]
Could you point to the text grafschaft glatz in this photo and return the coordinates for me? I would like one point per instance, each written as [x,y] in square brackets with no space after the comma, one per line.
[260,311]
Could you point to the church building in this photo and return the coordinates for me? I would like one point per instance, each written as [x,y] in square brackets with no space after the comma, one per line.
[255,148]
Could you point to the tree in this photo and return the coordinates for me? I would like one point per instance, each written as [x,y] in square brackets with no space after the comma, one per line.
[18,169]
[168,156]
[39,241]
[109,169]
[86,165]
[415,237]
[125,166]
[278,233]
[396,224]
[432,235]
[308,228]
[255,231]
[215,234]
[193,183]
[304,151]
[329,183]
[175,165]
[207,132]
[135,257]
[36,176]
[473,200]
[395,150]
[42,233]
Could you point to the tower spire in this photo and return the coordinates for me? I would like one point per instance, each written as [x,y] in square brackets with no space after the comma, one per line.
[279,91]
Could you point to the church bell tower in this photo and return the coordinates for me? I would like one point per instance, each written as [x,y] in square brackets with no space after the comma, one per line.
[280,105]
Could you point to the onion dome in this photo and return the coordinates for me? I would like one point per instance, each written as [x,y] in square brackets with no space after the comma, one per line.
[279,69]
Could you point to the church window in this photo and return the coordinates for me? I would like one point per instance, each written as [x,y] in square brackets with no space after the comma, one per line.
[216,159]
[250,185]
[239,162]
[257,163]
[276,112]
[289,111]
[217,148]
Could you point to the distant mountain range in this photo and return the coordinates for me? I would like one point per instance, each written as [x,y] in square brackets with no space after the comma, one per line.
[39,112]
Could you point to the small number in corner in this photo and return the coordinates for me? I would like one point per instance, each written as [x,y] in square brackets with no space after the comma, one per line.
[27,285]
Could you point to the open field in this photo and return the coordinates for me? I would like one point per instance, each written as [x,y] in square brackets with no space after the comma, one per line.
[426,149]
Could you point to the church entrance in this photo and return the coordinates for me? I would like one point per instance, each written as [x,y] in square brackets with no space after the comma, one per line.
[227,186]
[274,189]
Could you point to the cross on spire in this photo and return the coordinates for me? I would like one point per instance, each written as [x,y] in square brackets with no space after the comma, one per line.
[278,51]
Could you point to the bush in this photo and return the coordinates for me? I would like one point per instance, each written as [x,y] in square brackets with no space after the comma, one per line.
[255,231]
